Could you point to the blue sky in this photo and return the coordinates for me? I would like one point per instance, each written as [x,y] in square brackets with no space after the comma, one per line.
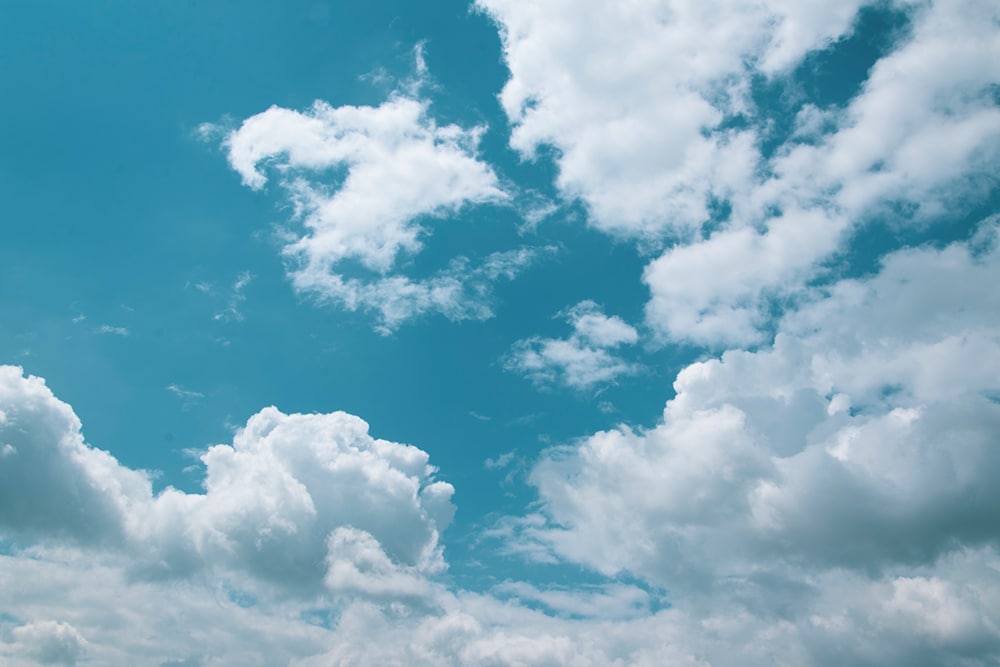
[673,325]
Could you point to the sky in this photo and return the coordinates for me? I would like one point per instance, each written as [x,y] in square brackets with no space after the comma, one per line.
[503,333]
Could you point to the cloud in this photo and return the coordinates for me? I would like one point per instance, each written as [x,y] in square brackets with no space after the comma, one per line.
[272,499]
[635,96]
[918,134]
[231,313]
[181,392]
[315,544]
[116,331]
[365,182]
[51,483]
[944,617]
[863,438]
[49,642]
[652,112]
[462,291]
[191,623]
[585,359]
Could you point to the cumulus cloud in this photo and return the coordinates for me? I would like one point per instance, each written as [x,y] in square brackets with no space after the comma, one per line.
[583,360]
[294,498]
[365,182]
[863,438]
[924,131]
[651,110]
[634,96]
[49,642]
[129,621]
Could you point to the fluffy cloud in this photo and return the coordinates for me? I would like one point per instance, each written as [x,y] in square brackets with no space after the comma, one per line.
[49,642]
[864,438]
[357,215]
[364,182]
[634,96]
[583,360]
[942,617]
[295,501]
[639,99]
[924,132]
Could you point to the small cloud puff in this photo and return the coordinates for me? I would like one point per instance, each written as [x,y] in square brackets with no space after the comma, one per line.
[583,360]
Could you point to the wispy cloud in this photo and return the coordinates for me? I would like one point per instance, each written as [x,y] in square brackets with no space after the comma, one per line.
[583,360]
[231,313]
[113,330]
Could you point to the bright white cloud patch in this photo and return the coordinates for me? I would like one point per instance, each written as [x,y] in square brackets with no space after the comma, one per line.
[865,438]
[583,360]
[826,497]
[634,96]
[924,131]
[638,98]
[365,182]
[277,505]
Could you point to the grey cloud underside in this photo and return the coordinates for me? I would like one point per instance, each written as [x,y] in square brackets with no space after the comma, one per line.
[289,502]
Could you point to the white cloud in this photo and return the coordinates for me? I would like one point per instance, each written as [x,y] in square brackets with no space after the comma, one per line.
[313,543]
[863,438]
[432,169]
[116,331]
[634,95]
[182,393]
[944,617]
[636,98]
[272,499]
[49,642]
[923,131]
[365,182]
[583,360]
[129,621]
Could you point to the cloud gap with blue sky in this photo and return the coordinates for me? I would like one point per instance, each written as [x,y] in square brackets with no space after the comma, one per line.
[500,333]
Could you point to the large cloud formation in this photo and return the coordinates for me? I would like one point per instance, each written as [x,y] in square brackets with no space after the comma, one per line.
[295,502]
[864,437]
[652,110]
[823,495]
[828,499]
